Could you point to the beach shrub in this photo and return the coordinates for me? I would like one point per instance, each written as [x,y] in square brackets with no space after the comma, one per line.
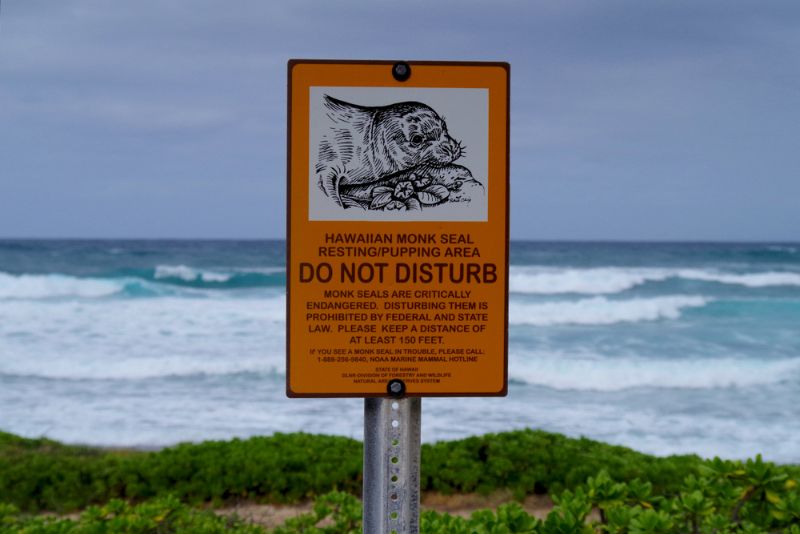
[44,475]
[334,513]
[161,516]
[533,461]
[40,474]
[728,498]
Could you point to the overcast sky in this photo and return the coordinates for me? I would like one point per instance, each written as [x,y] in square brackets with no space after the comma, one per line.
[666,120]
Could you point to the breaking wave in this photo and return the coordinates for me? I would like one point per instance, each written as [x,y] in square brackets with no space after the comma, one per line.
[601,311]
[599,373]
[162,280]
[607,280]
[37,286]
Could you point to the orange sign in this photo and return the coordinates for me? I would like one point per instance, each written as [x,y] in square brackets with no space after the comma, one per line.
[397,248]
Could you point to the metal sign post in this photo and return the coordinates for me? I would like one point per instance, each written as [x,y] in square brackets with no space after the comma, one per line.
[391,465]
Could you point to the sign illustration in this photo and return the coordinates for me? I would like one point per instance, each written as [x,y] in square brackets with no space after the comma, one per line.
[398,154]
[394,157]
[397,245]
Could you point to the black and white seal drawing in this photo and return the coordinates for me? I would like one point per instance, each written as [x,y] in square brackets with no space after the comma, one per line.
[395,157]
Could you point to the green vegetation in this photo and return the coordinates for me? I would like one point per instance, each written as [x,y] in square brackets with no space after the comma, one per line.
[160,516]
[596,488]
[532,461]
[45,475]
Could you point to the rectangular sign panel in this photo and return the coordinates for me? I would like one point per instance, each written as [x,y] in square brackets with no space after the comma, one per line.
[397,245]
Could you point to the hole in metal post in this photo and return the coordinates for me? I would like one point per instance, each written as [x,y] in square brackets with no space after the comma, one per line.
[395,423]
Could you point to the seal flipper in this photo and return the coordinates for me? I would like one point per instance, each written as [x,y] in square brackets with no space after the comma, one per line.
[329,180]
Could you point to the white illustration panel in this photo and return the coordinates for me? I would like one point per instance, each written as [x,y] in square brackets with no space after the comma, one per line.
[398,154]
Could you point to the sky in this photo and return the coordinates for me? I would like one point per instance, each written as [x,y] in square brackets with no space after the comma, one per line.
[630,120]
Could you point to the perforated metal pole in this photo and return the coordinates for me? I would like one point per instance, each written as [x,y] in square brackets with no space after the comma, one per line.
[391,465]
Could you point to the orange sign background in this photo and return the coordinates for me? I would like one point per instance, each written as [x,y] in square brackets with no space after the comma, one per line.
[355,321]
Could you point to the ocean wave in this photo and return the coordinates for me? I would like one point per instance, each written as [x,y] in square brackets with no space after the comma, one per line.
[151,369]
[599,373]
[214,278]
[595,281]
[36,286]
[601,311]
[753,280]
[188,274]
[783,248]
[522,280]
[163,280]
[608,280]
[141,338]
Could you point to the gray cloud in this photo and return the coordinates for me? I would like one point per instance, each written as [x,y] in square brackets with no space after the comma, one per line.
[669,120]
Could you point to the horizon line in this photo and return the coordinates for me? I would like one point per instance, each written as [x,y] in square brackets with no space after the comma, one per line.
[512,240]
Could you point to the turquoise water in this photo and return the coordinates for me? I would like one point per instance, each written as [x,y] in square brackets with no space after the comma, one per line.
[663,347]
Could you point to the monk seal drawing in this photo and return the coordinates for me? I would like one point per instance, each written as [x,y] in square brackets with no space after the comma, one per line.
[364,145]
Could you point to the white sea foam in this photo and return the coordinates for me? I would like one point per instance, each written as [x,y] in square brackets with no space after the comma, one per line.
[607,280]
[783,248]
[141,338]
[140,367]
[601,311]
[41,286]
[765,279]
[259,270]
[189,274]
[722,427]
[596,281]
[602,373]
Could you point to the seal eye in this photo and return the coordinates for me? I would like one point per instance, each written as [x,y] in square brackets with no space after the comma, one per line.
[417,139]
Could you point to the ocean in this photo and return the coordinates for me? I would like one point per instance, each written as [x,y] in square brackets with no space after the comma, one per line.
[663,347]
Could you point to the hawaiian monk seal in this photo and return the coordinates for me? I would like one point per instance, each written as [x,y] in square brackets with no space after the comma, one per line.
[365,144]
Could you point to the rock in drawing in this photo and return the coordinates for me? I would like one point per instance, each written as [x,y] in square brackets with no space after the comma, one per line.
[395,157]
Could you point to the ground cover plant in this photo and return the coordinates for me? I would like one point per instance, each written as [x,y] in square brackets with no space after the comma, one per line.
[40,474]
[596,488]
